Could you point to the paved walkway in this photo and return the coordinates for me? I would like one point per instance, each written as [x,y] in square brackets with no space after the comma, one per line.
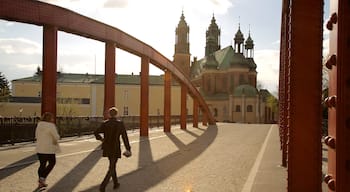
[226,157]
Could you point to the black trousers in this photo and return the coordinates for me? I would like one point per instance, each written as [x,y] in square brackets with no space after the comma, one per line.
[111,172]
[47,162]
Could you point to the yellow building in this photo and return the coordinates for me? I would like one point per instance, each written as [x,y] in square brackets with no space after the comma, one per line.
[83,95]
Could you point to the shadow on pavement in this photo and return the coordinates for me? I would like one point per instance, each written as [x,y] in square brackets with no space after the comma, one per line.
[153,173]
[74,177]
[17,166]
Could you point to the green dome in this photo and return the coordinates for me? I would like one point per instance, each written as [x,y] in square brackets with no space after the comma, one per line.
[247,90]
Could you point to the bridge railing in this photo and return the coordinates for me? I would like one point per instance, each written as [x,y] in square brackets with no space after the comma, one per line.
[22,129]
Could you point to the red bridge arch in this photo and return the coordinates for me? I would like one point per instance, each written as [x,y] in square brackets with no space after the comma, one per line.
[54,19]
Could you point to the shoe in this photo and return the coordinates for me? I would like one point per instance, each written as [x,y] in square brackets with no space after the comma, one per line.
[42,183]
[116,185]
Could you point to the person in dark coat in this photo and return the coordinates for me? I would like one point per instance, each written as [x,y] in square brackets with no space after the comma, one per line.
[112,129]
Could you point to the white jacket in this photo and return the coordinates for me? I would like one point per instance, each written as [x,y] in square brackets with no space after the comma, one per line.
[47,138]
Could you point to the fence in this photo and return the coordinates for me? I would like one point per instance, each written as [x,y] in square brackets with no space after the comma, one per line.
[22,129]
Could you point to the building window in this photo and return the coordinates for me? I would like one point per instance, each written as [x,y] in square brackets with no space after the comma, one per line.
[238,108]
[126,111]
[249,108]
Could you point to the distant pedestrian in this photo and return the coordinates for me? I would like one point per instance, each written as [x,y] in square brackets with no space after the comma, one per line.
[47,146]
[112,129]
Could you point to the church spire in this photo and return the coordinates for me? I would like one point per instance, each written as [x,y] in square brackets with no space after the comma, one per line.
[212,37]
[182,44]
[239,40]
[249,46]
[182,54]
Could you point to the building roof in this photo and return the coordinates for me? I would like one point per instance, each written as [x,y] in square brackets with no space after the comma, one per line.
[245,90]
[215,96]
[96,79]
[226,58]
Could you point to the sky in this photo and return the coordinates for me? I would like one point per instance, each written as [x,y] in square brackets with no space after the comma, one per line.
[153,22]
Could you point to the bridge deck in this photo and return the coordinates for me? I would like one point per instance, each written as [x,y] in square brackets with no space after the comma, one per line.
[229,157]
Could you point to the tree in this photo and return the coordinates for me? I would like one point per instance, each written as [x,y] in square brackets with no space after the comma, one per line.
[272,102]
[4,88]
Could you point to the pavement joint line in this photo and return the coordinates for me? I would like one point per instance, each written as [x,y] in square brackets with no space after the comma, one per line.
[87,151]
[247,187]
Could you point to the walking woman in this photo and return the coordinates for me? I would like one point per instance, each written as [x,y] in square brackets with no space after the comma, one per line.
[47,146]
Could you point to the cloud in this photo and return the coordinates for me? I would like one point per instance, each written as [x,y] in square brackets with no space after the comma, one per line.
[267,62]
[116,4]
[221,4]
[19,46]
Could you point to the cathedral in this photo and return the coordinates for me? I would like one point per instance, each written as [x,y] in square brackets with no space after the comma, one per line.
[227,77]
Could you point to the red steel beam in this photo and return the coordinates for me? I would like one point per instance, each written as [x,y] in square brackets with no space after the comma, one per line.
[338,139]
[49,85]
[167,101]
[195,113]
[109,88]
[283,101]
[183,114]
[40,13]
[305,79]
[144,105]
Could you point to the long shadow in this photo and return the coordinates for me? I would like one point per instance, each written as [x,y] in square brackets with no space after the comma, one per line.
[74,177]
[143,179]
[145,152]
[17,166]
[191,133]
[199,128]
[179,144]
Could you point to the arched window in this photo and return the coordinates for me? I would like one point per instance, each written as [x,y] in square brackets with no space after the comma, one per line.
[238,108]
[250,108]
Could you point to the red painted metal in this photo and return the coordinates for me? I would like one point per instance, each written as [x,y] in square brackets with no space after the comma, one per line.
[183,114]
[49,87]
[167,101]
[283,97]
[39,13]
[144,107]
[338,141]
[204,120]
[304,106]
[109,89]
[195,113]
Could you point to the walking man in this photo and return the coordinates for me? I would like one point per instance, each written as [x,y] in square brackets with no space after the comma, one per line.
[112,129]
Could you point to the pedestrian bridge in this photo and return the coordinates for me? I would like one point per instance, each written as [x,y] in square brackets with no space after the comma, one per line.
[224,157]
[54,19]
[300,91]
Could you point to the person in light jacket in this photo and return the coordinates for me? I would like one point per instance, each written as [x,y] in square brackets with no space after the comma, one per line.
[47,146]
[112,129]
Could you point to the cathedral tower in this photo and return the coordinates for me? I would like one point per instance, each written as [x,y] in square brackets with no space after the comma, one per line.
[212,38]
[239,41]
[249,47]
[182,46]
